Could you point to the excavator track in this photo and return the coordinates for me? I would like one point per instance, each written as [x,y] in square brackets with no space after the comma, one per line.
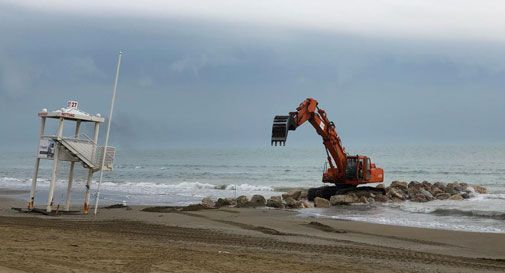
[327,192]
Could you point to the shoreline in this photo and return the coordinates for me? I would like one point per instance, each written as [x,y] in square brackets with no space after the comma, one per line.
[18,198]
[229,239]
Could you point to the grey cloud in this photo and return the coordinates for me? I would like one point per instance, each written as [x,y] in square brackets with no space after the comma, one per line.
[194,82]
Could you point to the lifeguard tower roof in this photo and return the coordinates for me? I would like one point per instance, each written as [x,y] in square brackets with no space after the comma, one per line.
[71,112]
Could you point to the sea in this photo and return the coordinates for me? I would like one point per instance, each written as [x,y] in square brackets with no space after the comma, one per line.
[185,176]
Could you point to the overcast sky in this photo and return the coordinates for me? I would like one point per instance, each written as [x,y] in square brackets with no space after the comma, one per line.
[214,73]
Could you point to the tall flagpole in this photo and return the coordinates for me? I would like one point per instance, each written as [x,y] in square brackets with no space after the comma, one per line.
[108,130]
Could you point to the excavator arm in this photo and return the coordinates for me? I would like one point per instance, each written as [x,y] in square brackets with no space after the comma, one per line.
[360,169]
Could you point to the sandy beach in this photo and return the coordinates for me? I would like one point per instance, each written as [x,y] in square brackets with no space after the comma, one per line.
[232,240]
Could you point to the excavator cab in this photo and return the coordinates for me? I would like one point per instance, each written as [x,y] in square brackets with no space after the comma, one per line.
[280,128]
[361,169]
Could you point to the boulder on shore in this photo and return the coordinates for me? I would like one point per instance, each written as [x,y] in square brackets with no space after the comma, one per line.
[292,203]
[295,194]
[275,202]
[321,202]
[343,199]
[442,196]
[380,198]
[456,196]
[400,185]
[258,201]
[242,202]
[223,202]
[414,191]
[393,192]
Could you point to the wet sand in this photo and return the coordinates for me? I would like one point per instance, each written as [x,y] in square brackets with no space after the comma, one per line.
[232,240]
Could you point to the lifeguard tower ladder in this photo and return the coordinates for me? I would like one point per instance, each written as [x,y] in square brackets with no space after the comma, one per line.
[79,148]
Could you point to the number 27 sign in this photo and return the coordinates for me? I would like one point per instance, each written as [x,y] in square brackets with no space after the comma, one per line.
[72,104]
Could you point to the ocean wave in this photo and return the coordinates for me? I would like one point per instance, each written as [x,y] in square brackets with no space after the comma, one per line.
[445,172]
[187,186]
[497,215]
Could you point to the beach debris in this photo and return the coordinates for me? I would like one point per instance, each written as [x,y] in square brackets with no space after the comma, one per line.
[258,201]
[321,202]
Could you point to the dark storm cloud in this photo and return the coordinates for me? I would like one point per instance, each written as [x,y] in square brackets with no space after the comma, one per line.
[196,82]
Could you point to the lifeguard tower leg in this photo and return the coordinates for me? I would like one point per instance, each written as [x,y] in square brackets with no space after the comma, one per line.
[59,133]
[34,184]
[37,163]
[53,178]
[69,188]
[86,197]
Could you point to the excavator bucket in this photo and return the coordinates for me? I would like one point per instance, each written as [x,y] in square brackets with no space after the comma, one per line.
[280,128]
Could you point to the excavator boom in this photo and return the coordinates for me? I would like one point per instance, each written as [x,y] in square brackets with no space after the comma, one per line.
[343,168]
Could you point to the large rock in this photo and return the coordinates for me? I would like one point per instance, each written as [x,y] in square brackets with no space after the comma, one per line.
[304,194]
[258,201]
[442,196]
[453,188]
[295,194]
[292,203]
[275,202]
[414,184]
[399,184]
[427,194]
[418,198]
[242,201]
[436,191]
[456,196]
[208,203]
[380,186]
[223,202]
[427,185]
[479,189]
[232,201]
[393,192]
[321,202]
[343,199]
[465,187]
[439,185]
[363,199]
[380,198]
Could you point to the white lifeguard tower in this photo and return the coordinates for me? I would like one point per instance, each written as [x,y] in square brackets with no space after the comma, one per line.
[78,148]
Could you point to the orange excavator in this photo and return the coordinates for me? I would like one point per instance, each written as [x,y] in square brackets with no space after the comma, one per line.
[345,171]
